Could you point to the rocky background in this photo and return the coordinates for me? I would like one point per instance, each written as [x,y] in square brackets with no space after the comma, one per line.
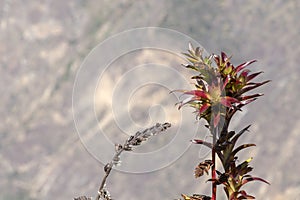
[42,45]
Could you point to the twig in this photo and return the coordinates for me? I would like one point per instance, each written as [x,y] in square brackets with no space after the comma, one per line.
[133,140]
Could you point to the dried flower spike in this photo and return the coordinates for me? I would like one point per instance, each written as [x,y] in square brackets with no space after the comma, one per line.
[133,140]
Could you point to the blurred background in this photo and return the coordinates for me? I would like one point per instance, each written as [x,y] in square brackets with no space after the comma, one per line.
[42,45]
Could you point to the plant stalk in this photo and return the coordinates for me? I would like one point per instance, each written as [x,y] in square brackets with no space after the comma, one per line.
[213,168]
[103,183]
[108,167]
[133,140]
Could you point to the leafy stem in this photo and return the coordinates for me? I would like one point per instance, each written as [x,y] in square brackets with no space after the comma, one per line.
[220,91]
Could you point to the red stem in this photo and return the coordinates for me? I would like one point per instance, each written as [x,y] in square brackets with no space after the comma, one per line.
[213,167]
[213,176]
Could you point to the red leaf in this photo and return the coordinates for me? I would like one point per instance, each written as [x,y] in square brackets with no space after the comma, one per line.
[186,101]
[252,76]
[198,93]
[251,96]
[224,57]
[246,89]
[245,72]
[245,64]
[249,179]
[228,101]
[203,108]
[216,120]
[225,82]
[245,195]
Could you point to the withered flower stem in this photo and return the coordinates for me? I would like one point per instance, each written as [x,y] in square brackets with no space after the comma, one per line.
[133,140]
[107,169]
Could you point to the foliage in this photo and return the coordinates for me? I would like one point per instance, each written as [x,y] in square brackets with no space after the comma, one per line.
[219,93]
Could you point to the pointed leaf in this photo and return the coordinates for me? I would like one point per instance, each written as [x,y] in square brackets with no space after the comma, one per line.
[241,148]
[243,167]
[228,101]
[248,88]
[217,59]
[186,101]
[225,82]
[246,102]
[216,120]
[227,153]
[203,108]
[188,55]
[251,96]
[243,65]
[182,91]
[191,67]
[249,179]
[191,47]
[252,76]
[198,93]
[244,195]
[192,60]
[224,57]
[192,57]
[236,137]
[208,144]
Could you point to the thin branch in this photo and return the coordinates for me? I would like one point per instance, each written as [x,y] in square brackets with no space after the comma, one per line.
[133,140]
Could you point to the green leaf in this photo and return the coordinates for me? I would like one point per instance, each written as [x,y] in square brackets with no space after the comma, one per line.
[236,137]
[227,70]
[243,168]
[228,157]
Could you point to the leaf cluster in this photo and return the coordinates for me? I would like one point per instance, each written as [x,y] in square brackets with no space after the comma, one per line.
[220,91]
